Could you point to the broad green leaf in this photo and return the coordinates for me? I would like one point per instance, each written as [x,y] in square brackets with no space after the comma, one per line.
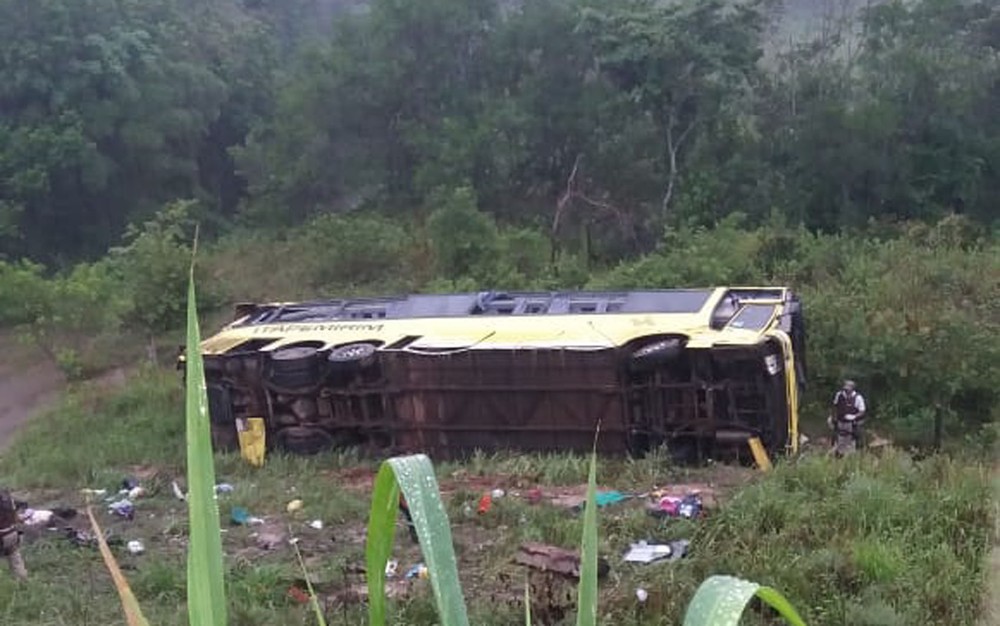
[721,600]
[312,592]
[415,476]
[586,606]
[206,593]
[133,614]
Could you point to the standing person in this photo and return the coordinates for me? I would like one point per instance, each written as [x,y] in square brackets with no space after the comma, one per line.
[10,536]
[846,418]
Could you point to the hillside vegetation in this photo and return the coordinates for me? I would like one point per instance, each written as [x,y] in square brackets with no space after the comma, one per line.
[323,148]
[357,148]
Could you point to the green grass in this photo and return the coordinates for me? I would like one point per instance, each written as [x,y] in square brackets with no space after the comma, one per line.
[865,541]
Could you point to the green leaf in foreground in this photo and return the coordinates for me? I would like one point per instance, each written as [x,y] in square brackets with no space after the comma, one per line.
[586,606]
[720,601]
[415,475]
[206,594]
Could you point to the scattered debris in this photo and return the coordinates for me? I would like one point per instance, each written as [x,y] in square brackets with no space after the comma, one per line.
[298,595]
[135,547]
[85,539]
[607,498]
[44,517]
[496,494]
[391,568]
[316,524]
[136,492]
[177,492]
[294,505]
[270,537]
[485,504]
[643,552]
[224,488]
[36,517]
[418,571]
[129,483]
[123,508]
[641,595]
[241,517]
[533,496]
[94,493]
[690,506]
[553,559]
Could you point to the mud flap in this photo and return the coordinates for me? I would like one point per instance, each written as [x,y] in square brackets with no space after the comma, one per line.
[759,454]
[253,439]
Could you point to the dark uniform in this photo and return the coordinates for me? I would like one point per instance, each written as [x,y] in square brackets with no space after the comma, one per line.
[10,536]
[848,435]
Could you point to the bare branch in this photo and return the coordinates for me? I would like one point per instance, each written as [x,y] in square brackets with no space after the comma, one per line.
[567,195]
[673,147]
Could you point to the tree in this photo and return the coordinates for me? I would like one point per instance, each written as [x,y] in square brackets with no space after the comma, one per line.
[111,108]
[153,265]
[686,64]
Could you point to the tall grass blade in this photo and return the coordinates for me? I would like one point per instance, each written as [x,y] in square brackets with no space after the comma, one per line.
[206,593]
[312,592]
[415,476]
[721,600]
[133,614]
[527,602]
[586,605]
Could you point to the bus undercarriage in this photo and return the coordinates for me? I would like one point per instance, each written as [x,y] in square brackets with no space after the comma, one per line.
[653,391]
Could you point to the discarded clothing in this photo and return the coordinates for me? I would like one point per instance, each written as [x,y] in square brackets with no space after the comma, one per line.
[689,507]
[123,508]
[604,499]
[643,552]
[607,498]
[241,517]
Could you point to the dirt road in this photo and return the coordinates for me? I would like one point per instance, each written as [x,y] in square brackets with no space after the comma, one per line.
[29,383]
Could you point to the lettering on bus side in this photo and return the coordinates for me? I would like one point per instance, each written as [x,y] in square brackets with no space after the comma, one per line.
[317,328]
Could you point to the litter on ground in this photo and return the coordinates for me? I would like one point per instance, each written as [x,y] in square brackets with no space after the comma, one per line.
[123,508]
[241,517]
[553,559]
[643,552]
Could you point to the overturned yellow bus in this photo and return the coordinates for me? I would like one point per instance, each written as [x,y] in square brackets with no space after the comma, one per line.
[701,370]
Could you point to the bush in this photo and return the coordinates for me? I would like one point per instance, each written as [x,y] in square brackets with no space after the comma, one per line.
[464,240]
[355,251]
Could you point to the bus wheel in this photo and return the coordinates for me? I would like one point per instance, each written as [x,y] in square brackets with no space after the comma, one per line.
[294,367]
[352,356]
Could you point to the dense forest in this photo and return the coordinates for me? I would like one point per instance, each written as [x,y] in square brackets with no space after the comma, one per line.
[345,146]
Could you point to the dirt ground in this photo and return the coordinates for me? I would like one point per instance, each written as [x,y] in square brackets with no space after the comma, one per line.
[29,383]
